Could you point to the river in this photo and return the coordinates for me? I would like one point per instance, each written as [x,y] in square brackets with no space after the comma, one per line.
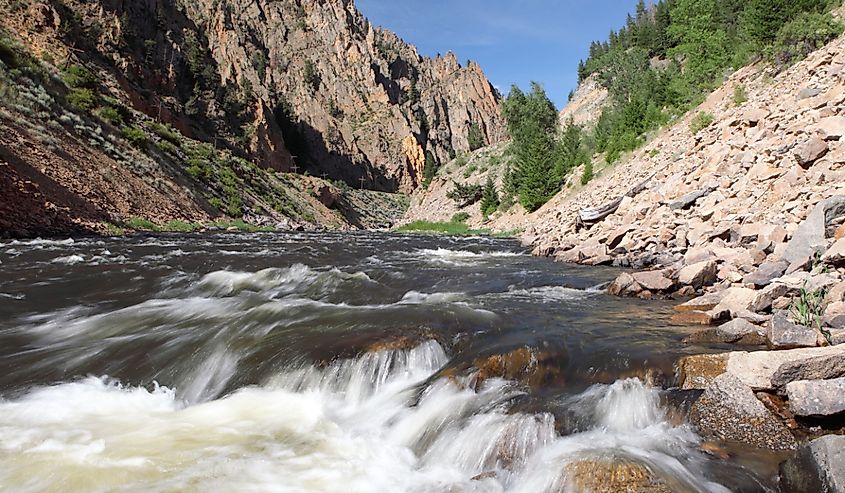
[332,363]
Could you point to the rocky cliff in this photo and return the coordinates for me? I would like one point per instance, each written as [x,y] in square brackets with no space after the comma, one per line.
[274,79]
[219,107]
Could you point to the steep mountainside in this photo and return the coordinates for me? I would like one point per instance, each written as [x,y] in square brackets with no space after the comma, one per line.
[216,107]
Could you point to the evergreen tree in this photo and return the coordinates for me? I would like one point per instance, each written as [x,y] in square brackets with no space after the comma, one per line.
[475,137]
[489,198]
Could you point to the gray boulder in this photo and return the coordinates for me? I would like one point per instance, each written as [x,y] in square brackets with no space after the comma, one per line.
[737,331]
[783,334]
[728,410]
[818,467]
[809,238]
[812,368]
[816,397]
[766,273]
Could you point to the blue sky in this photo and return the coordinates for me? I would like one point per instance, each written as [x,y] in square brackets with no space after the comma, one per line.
[515,42]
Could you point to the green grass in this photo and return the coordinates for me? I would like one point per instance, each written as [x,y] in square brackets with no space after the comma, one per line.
[176,226]
[140,224]
[243,226]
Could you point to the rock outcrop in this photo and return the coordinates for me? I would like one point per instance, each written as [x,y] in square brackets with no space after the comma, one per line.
[819,467]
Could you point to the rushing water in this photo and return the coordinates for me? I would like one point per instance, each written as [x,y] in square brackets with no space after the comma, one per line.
[311,363]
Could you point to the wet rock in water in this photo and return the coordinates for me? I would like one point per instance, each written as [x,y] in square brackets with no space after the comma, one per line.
[738,331]
[533,368]
[623,285]
[699,370]
[818,467]
[609,476]
[654,281]
[702,303]
[698,275]
[728,410]
[784,334]
[816,398]
[696,317]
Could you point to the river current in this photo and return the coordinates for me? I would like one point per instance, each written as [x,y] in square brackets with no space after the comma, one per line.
[332,363]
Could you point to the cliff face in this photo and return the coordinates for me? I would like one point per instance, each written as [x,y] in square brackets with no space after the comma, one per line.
[299,85]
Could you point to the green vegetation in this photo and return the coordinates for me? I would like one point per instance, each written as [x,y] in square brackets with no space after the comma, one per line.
[460,217]
[430,169]
[83,99]
[242,226]
[166,132]
[808,308]
[700,122]
[464,195]
[475,137]
[311,76]
[542,156]
[740,96]
[700,41]
[587,175]
[450,228]
[77,76]
[489,198]
[135,136]
[110,115]
[141,224]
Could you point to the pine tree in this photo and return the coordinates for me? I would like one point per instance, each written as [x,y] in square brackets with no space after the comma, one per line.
[489,198]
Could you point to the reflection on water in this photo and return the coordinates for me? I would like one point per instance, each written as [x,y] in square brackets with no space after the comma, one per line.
[325,363]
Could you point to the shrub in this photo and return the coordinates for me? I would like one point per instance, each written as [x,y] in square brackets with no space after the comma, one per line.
[460,217]
[464,195]
[587,176]
[489,198]
[430,170]
[135,136]
[740,96]
[141,224]
[803,35]
[110,115]
[700,122]
[165,132]
[475,137]
[82,99]
[311,76]
[167,147]
[77,76]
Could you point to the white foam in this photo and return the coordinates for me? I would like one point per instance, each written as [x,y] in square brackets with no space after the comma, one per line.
[69,259]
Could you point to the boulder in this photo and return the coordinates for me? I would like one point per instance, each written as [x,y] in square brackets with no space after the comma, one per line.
[831,128]
[738,331]
[784,334]
[766,272]
[605,475]
[814,368]
[810,235]
[699,370]
[624,284]
[770,370]
[835,255]
[702,303]
[834,315]
[697,317]
[753,116]
[811,151]
[689,199]
[698,275]
[818,467]
[653,280]
[816,398]
[766,297]
[729,411]
[735,300]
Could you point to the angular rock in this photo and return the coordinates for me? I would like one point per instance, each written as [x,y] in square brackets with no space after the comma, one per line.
[702,303]
[728,410]
[738,331]
[624,284]
[831,128]
[835,255]
[654,281]
[810,235]
[818,467]
[753,116]
[698,275]
[699,370]
[758,369]
[697,317]
[766,272]
[816,398]
[784,334]
[834,315]
[766,297]
[811,151]
[689,199]
[735,300]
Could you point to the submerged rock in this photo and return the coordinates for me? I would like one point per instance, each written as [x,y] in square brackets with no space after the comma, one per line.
[608,476]
[728,410]
[738,331]
[528,366]
[818,467]
[699,370]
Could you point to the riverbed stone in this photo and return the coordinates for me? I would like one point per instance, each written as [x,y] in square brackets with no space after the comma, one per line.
[737,331]
[784,334]
[769,370]
[702,303]
[624,284]
[653,280]
[818,467]
[605,475]
[728,410]
[816,397]
[698,275]
[697,371]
